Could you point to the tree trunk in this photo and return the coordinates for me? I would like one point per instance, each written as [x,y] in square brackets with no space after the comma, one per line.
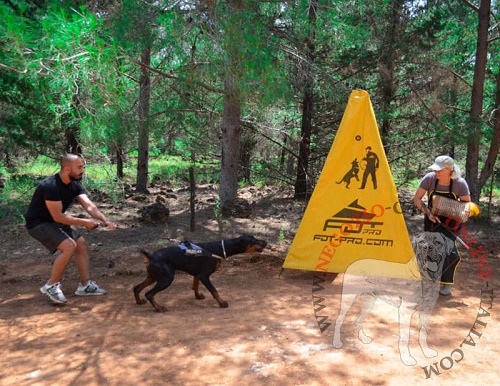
[192,200]
[386,68]
[71,131]
[231,132]
[247,146]
[472,162]
[489,164]
[283,153]
[119,161]
[72,144]
[231,116]
[302,183]
[143,123]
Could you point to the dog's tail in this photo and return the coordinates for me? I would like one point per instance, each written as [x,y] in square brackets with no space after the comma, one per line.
[146,256]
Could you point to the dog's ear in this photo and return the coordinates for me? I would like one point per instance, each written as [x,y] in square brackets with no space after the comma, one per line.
[421,242]
[447,243]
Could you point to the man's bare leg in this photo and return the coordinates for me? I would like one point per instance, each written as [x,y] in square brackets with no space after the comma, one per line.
[82,260]
[67,248]
[87,286]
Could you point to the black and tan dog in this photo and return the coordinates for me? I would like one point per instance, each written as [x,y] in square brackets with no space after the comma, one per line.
[162,264]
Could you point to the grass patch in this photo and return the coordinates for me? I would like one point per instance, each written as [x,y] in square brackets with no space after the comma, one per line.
[175,170]
[161,169]
[20,182]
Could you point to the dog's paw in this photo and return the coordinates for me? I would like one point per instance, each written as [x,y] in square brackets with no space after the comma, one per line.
[363,337]
[337,343]
[408,360]
[142,301]
[429,352]
[161,309]
[223,304]
[199,296]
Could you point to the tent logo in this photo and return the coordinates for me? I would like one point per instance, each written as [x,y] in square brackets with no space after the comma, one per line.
[354,219]
[370,164]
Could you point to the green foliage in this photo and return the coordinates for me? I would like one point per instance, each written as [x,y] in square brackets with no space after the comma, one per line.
[283,235]
[64,67]
[14,197]
[218,209]
[39,166]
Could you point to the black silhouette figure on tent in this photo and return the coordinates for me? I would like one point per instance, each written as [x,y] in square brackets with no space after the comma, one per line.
[372,163]
[352,173]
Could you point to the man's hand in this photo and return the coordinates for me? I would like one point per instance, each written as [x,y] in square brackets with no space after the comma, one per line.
[91,224]
[92,209]
[433,218]
[110,225]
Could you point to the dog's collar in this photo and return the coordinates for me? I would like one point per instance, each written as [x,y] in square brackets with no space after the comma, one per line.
[223,249]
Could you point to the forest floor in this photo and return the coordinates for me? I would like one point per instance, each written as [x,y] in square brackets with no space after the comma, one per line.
[269,335]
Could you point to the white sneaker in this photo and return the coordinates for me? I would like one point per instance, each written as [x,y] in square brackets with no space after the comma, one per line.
[54,293]
[91,289]
[446,289]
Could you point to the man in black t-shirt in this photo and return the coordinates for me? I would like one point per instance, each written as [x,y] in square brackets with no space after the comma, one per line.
[48,223]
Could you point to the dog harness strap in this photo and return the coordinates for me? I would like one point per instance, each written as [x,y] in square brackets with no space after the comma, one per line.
[223,249]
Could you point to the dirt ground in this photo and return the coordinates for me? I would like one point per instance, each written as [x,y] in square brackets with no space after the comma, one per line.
[276,331]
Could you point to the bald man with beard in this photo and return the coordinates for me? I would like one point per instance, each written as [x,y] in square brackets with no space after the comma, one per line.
[47,222]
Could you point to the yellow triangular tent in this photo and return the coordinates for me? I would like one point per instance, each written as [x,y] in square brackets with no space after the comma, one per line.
[354,211]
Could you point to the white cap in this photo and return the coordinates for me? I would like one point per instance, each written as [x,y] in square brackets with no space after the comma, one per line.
[443,162]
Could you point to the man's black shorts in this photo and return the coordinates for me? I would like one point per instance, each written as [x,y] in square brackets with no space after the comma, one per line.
[51,234]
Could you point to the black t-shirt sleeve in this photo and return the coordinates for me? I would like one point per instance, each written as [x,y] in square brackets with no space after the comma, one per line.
[51,189]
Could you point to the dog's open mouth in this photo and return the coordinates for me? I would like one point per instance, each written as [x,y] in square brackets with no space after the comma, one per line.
[432,266]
